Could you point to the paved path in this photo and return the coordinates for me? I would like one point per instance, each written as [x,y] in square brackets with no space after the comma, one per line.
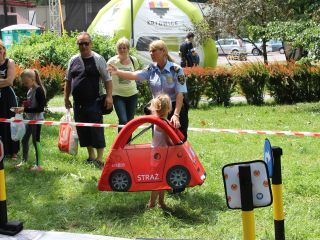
[43,235]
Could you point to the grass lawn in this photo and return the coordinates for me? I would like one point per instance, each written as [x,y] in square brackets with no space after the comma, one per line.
[65,198]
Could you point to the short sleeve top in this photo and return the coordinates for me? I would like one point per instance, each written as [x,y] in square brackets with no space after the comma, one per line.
[122,87]
[171,80]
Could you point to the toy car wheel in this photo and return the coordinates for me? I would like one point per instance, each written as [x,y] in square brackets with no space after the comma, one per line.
[120,181]
[178,177]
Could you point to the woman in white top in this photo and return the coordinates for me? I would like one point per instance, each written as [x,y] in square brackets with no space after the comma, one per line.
[124,92]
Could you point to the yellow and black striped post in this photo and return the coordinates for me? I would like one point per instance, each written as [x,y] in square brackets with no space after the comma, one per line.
[6,228]
[278,212]
[248,224]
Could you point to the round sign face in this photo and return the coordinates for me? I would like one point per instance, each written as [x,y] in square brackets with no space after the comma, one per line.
[268,156]
[1,151]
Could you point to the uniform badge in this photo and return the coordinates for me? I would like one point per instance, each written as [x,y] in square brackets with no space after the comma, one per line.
[181,79]
[169,79]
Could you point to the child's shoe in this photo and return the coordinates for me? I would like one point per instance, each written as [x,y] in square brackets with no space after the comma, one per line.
[36,168]
[14,157]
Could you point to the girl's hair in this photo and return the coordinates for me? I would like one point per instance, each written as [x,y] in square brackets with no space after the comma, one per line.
[161,45]
[123,41]
[5,49]
[33,73]
[161,105]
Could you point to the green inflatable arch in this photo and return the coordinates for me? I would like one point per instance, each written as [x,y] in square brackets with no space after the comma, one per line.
[124,24]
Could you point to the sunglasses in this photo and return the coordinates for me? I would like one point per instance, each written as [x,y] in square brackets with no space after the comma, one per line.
[83,43]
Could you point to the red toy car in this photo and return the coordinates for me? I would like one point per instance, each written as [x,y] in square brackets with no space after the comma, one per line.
[141,167]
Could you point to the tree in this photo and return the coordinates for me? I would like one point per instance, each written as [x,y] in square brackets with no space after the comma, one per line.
[246,18]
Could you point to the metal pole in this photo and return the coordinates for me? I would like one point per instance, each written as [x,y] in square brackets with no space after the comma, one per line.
[132,29]
[5,11]
[6,228]
[248,224]
[61,17]
[278,212]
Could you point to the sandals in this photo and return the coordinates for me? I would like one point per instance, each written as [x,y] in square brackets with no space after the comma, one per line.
[98,163]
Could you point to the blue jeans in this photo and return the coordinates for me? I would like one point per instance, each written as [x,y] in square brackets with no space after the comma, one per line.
[125,108]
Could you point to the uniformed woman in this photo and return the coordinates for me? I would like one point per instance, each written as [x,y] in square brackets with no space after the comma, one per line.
[163,76]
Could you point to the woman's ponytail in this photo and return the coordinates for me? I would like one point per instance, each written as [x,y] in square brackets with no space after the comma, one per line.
[38,81]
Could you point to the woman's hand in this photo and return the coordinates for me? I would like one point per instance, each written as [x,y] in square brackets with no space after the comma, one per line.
[175,121]
[19,110]
[112,69]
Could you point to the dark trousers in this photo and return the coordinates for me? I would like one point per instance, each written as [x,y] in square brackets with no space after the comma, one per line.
[184,119]
[34,131]
[125,108]
[89,113]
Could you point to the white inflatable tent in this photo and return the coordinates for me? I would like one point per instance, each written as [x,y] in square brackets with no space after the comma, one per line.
[169,20]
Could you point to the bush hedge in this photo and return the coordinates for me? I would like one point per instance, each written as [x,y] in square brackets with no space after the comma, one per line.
[288,83]
[51,76]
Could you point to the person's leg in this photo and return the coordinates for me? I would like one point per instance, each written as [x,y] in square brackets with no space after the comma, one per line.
[91,154]
[161,199]
[184,120]
[119,104]
[84,133]
[131,107]
[153,198]
[96,135]
[36,130]
[98,161]
[25,143]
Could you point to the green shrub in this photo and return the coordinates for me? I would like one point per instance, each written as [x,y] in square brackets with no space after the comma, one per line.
[195,84]
[252,78]
[292,83]
[280,84]
[50,48]
[144,95]
[220,84]
[51,76]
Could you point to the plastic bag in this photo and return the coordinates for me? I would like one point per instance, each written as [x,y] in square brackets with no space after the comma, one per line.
[68,137]
[18,129]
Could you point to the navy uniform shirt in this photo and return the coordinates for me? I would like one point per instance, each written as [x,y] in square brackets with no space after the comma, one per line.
[171,80]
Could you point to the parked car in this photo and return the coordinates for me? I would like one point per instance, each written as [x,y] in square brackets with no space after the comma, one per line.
[276,46]
[256,48]
[230,45]
[141,167]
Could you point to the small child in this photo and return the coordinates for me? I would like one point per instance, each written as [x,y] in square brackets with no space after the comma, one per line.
[33,108]
[160,106]
[195,57]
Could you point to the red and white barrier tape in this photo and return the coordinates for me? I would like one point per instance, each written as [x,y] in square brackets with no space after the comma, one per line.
[213,130]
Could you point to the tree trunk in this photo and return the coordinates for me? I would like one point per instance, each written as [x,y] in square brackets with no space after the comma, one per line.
[264,51]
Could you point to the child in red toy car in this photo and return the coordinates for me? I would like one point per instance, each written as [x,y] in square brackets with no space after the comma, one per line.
[160,106]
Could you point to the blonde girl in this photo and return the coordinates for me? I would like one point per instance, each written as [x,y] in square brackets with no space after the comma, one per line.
[33,107]
[160,107]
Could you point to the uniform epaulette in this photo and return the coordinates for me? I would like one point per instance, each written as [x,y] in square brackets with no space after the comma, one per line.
[149,67]
[175,67]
